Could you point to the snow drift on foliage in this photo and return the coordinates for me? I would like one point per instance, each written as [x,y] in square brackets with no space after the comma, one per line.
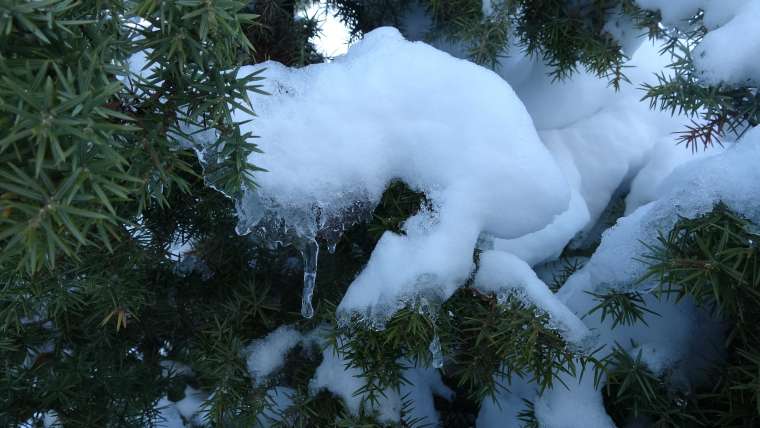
[265,356]
[667,340]
[718,57]
[500,272]
[335,376]
[334,134]
[601,138]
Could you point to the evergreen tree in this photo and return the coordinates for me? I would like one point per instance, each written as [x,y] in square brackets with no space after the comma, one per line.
[103,186]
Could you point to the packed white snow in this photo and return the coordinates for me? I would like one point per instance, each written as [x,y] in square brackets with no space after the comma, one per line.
[678,331]
[728,52]
[334,375]
[407,112]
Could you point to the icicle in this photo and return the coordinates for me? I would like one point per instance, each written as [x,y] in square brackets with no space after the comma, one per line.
[436,356]
[310,253]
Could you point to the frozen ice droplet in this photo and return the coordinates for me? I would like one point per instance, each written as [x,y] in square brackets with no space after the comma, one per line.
[436,356]
[310,253]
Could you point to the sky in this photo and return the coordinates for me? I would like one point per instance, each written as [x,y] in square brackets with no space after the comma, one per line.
[333,40]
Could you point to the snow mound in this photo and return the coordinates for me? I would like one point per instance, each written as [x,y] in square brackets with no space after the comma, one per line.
[668,339]
[718,58]
[335,135]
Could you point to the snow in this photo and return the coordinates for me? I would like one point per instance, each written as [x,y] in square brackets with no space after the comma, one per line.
[422,384]
[502,272]
[407,111]
[190,408]
[623,29]
[518,173]
[168,415]
[660,163]
[691,190]
[548,243]
[280,398]
[718,57]
[267,355]
[335,376]
[599,137]
[504,410]
[562,407]
[456,132]
[674,12]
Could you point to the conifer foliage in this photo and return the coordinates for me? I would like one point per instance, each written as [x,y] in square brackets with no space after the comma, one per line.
[99,176]
[105,313]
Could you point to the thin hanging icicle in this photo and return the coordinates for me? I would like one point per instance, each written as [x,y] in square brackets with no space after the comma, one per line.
[310,253]
[436,355]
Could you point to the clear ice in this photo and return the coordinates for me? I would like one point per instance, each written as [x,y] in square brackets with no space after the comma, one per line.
[310,253]
[436,355]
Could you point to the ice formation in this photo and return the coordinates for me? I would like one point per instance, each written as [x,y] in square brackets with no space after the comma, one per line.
[436,353]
